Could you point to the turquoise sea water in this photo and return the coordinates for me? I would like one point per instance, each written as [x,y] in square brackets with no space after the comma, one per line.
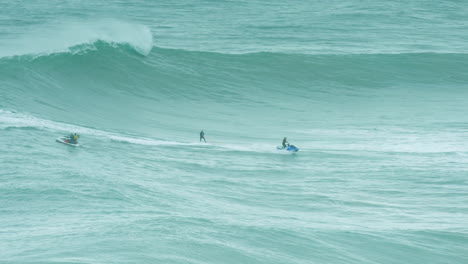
[374,93]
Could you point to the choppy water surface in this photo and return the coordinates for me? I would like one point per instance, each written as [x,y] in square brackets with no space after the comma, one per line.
[373,93]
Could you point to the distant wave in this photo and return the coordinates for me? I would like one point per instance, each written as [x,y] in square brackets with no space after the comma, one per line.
[170,88]
[317,66]
[102,70]
[164,74]
[77,36]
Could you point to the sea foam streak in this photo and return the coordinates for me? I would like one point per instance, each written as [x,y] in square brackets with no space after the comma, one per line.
[11,119]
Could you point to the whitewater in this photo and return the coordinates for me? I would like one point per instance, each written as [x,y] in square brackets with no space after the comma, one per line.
[373,93]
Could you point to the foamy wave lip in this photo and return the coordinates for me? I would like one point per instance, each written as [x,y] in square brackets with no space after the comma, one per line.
[62,37]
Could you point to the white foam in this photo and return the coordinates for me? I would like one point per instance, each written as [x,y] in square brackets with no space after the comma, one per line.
[62,37]
[256,147]
[148,141]
[9,119]
[389,139]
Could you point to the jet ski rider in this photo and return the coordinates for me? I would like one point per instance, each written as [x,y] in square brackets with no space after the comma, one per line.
[74,138]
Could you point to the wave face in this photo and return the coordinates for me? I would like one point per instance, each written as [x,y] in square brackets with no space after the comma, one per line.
[113,86]
[372,93]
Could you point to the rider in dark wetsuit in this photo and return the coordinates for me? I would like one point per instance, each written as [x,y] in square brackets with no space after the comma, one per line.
[73,138]
[70,138]
[285,141]
[202,136]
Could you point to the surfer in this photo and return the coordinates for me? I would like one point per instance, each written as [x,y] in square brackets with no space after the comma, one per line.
[285,141]
[202,136]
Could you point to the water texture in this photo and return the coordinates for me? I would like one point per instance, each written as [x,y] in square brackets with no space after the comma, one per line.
[373,93]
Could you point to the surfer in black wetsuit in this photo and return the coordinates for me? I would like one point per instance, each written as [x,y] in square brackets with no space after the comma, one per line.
[202,136]
[285,141]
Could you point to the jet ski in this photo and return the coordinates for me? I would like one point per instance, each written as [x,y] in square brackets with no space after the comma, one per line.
[290,148]
[66,140]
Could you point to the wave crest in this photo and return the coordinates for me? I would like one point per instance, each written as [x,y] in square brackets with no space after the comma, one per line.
[73,37]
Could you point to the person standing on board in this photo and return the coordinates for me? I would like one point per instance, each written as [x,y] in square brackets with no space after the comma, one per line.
[202,136]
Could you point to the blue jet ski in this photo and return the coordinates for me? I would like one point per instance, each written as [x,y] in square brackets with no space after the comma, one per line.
[290,148]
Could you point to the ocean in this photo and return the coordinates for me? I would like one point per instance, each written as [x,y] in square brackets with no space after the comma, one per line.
[373,93]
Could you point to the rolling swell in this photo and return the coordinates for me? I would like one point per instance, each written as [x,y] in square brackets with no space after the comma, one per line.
[107,80]
[381,172]
[361,70]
